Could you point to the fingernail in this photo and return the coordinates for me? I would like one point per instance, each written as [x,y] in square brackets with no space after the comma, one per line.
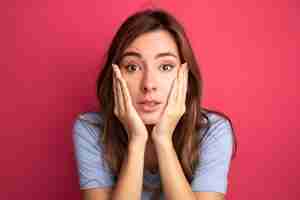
[116,69]
[114,66]
[183,68]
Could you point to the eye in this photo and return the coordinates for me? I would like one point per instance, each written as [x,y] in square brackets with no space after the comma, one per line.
[131,67]
[167,67]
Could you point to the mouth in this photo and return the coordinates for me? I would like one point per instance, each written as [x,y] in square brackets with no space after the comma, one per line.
[149,106]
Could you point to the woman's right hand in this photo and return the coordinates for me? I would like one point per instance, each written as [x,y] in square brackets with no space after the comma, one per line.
[124,110]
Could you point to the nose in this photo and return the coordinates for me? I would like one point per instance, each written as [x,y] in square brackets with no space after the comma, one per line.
[149,82]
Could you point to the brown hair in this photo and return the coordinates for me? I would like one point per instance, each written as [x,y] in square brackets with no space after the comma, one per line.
[186,137]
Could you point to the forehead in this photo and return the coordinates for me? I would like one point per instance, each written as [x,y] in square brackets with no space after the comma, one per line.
[149,45]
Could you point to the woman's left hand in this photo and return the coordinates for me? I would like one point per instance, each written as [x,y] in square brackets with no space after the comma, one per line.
[174,109]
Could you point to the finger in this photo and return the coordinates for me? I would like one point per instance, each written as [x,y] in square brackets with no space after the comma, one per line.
[115,94]
[172,94]
[121,97]
[126,93]
[186,78]
[181,91]
[124,88]
[179,83]
[119,90]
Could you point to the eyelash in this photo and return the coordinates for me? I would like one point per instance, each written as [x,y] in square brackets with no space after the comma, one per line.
[172,66]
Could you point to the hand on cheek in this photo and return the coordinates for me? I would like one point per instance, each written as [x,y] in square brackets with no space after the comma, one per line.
[175,107]
[124,109]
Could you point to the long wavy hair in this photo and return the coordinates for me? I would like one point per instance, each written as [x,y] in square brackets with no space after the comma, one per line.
[186,137]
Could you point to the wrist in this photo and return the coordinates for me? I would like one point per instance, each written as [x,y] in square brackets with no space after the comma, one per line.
[137,144]
[162,141]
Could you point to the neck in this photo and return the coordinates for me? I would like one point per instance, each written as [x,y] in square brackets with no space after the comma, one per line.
[149,128]
[149,142]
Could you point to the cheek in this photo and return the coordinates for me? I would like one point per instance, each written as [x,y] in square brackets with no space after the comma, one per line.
[167,86]
[132,86]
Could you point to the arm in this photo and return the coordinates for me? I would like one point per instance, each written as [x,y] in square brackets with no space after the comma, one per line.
[96,180]
[129,184]
[175,185]
[130,181]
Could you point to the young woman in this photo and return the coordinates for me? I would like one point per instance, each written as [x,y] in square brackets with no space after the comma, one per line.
[152,139]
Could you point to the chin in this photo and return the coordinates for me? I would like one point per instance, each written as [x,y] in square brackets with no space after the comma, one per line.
[149,121]
[150,118]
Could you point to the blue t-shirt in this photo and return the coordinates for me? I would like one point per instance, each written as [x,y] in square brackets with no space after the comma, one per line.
[210,176]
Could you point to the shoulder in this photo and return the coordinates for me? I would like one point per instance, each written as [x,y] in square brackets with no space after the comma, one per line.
[217,119]
[91,117]
[215,152]
[88,124]
[219,128]
[93,170]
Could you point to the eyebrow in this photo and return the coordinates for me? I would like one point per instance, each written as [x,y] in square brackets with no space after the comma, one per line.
[136,54]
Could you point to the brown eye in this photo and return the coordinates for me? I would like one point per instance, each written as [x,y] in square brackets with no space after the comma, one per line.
[167,67]
[131,67]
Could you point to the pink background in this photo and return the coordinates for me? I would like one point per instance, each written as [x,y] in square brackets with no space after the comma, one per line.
[50,57]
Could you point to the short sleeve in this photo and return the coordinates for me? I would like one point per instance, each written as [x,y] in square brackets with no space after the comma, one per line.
[91,167]
[211,174]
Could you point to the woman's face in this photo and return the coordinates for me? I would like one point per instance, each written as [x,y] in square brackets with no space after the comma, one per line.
[149,66]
